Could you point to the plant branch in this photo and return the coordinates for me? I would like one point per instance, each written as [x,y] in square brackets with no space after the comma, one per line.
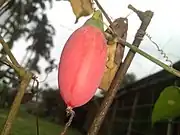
[8,52]
[104,12]
[2,2]
[154,60]
[24,76]
[5,61]
[16,104]
[145,17]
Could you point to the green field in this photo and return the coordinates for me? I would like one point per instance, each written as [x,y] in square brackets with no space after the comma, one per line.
[25,124]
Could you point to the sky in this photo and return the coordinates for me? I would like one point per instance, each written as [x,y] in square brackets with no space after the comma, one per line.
[164,29]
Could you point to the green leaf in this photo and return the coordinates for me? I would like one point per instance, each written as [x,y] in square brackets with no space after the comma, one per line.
[167,105]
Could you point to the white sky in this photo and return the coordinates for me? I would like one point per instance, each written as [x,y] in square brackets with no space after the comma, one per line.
[164,29]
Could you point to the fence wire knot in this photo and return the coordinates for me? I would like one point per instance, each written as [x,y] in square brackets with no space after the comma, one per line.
[71,113]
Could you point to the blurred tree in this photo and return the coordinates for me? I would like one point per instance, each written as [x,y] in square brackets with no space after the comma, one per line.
[4,89]
[52,105]
[128,79]
[27,19]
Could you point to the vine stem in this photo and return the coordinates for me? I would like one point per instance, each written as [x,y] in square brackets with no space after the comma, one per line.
[2,2]
[70,112]
[8,52]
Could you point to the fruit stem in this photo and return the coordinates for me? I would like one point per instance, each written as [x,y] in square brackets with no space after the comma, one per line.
[70,112]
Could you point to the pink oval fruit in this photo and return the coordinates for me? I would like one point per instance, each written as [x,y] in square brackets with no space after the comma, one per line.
[82,65]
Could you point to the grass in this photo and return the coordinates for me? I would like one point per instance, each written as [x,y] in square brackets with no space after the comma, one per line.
[25,124]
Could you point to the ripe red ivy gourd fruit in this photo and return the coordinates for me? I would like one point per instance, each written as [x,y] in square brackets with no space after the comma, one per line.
[82,62]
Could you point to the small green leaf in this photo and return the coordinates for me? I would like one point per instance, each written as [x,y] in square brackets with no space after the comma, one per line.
[167,105]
